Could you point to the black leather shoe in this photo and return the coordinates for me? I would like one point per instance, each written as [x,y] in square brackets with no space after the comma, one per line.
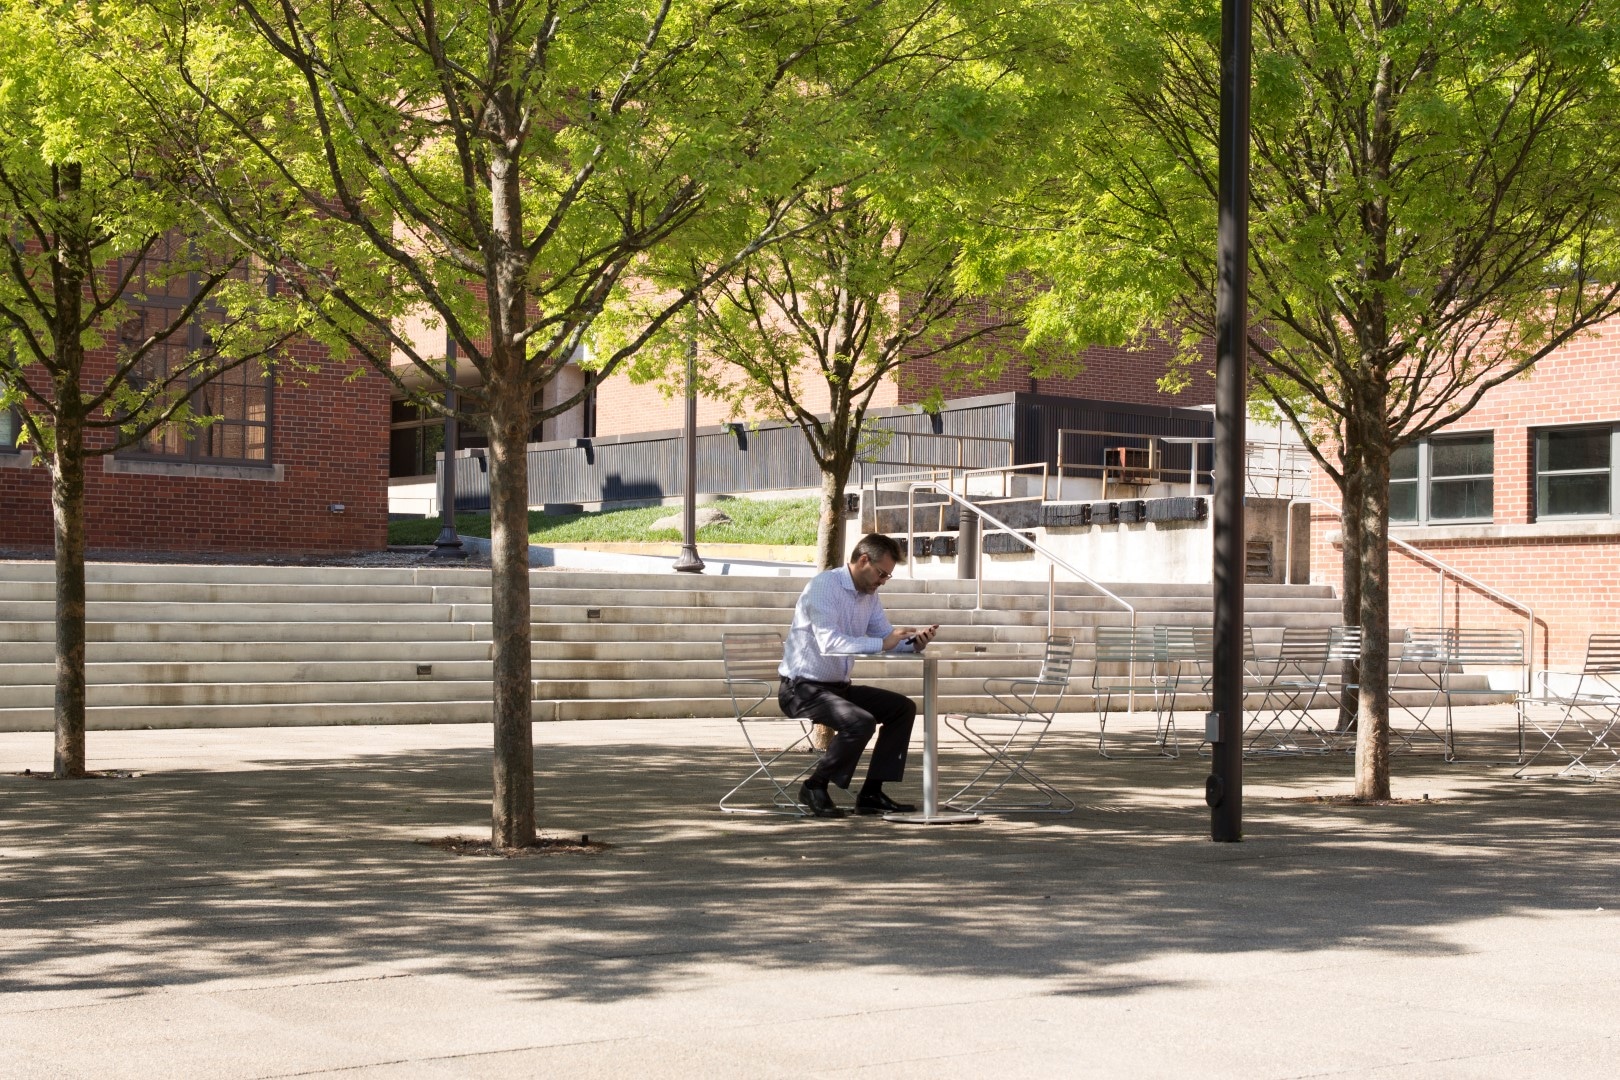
[819,802]
[881,804]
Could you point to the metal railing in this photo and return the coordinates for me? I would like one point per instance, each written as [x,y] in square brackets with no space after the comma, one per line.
[1271,469]
[960,445]
[1053,560]
[1444,570]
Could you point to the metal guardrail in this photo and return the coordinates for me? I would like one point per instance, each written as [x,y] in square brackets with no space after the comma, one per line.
[1443,569]
[1282,467]
[1053,560]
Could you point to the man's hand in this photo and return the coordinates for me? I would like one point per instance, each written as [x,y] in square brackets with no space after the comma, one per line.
[922,637]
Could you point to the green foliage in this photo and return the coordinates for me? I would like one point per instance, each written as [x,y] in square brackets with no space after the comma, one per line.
[507,170]
[92,226]
[777,521]
[1434,197]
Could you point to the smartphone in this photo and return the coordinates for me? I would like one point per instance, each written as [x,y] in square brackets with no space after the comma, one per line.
[912,640]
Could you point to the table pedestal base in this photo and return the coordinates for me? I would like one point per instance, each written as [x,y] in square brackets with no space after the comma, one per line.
[945,817]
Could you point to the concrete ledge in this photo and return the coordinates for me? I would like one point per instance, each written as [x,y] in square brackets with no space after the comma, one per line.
[22,459]
[1598,528]
[587,559]
[271,473]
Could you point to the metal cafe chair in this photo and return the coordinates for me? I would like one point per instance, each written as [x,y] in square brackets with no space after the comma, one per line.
[1127,662]
[1302,672]
[751,680]
[1190,654]
[1010,738]
[1579,723]
[1431,660]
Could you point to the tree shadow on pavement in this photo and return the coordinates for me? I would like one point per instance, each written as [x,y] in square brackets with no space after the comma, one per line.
[310,869]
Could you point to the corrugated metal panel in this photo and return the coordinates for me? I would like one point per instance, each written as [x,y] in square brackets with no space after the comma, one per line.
[777,457]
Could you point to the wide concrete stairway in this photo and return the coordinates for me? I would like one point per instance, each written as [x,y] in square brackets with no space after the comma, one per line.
[213,646]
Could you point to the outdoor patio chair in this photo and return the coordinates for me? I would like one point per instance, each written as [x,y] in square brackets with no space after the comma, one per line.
[1433,658]
[1302,674]
[751,680]
[1130,661]
[1575,713]
[1010,738]
[1189,655]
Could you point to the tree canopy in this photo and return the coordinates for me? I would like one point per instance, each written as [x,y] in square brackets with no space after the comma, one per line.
[1434,207]
[92,230]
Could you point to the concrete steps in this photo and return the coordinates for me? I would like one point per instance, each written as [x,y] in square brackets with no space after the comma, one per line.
[201,646]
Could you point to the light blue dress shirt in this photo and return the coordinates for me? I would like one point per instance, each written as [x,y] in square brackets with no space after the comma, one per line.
[832,616]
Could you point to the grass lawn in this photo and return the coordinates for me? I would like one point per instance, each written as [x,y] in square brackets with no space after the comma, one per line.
[779,521]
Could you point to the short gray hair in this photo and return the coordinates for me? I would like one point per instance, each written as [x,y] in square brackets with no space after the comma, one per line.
[875,546]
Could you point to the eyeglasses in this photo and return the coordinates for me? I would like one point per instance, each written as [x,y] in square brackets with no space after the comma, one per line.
[885,575]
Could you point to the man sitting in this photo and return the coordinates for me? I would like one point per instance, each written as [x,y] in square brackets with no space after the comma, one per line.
[837,613]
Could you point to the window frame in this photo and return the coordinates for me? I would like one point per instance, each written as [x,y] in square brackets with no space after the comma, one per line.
[193,449]
[1424,482]
[9,446]
[1539,474]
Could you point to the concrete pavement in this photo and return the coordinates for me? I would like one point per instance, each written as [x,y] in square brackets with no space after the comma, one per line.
[254,905]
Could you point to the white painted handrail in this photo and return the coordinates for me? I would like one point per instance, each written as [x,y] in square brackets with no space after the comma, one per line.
[1052,559]
[1442,568]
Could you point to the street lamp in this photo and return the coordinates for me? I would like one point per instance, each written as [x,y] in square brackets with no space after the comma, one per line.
[688,562]
[448,545]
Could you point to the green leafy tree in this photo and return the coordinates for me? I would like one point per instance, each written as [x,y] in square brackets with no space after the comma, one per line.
[1433,210]
[893,264]
[90,229]
[505,169]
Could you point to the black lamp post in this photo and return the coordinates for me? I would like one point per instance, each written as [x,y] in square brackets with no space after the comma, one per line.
[688,562]
[448,545]
[1224,788]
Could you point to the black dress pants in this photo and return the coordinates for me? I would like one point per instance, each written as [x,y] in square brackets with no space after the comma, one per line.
[853,713]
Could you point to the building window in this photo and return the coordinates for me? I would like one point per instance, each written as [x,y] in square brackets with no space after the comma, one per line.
[1443,479]
[587,408]
[239,399]
[1574,473]
[415,437]
[10,428]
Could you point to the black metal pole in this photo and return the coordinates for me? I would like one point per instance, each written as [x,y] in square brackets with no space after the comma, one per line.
[688,562]
[1224,788]
[448,545]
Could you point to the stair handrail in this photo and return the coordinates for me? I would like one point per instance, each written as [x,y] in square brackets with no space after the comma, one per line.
[1442,568]
[1053,560]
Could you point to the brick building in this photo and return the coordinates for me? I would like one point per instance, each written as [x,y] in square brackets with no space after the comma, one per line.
[295,466]
[1523,495]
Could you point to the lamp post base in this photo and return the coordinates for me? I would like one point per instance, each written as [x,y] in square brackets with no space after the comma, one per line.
[688,562]
[448,546]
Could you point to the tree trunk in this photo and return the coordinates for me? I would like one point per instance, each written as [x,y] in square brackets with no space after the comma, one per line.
[67,515]
[511,415]
[1372,721]
[1350,581]
[830,541]
[67,474]
[513,817]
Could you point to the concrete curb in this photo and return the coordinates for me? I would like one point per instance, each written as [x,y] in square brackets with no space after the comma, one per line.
[580,559]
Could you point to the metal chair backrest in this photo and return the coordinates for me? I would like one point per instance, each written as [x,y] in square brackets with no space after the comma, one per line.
[1058,661]
[1188,644]
[752,662]
[1127,645]
[1504,647]
[1344,643]
[1305,645]
[1602,655]
[1422,645]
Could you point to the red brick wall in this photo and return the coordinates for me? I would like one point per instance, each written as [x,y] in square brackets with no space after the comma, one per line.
[1572,582]
[329,436]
